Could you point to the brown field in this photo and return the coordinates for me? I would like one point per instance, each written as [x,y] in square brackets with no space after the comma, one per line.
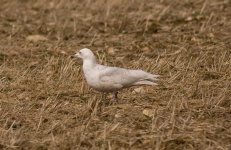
[45,102]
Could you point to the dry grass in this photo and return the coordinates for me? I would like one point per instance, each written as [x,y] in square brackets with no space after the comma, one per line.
[46,104]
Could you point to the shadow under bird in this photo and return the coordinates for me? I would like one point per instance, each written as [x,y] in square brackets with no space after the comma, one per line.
[111,79]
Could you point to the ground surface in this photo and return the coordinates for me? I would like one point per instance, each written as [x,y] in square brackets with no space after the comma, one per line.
[46,104]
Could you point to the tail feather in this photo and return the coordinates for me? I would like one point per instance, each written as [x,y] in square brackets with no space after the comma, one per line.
[151,77]
[146,78]
[145,82]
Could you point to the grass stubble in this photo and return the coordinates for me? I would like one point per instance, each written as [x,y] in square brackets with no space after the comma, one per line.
[46,104]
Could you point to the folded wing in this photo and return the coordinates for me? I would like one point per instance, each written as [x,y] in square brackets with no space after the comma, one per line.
[123,78]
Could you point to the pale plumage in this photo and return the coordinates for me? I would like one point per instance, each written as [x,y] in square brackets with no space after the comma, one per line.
[111,79]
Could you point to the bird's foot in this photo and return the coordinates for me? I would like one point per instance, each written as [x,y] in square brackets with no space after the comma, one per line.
[114,99]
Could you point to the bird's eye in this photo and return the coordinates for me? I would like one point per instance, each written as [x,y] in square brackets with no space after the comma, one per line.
[80,52]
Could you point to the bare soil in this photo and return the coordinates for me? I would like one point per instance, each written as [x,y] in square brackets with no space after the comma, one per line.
[45,102]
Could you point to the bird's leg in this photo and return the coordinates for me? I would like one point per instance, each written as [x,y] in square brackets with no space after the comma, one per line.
[103,96]
[103,99]
[115,98]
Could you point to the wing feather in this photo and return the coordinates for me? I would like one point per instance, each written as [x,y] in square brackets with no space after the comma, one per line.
[120,76]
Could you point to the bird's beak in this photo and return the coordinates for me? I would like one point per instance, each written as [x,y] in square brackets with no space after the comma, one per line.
[77,55]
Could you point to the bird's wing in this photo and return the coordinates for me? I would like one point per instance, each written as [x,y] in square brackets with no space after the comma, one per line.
[119,76]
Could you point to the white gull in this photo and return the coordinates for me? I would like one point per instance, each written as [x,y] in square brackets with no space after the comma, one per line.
[111,79]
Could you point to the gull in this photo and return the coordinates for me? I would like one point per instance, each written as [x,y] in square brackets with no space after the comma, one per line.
[111,79]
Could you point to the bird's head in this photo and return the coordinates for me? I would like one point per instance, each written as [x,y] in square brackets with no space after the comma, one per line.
[85,54]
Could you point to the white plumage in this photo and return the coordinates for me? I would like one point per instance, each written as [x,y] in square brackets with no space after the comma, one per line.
[111,79]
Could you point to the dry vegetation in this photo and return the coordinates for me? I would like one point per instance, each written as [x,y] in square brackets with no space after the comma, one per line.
[46,104]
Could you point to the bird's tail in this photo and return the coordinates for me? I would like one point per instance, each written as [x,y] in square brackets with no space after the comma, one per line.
[145,82]
[148,79]
[152,77]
